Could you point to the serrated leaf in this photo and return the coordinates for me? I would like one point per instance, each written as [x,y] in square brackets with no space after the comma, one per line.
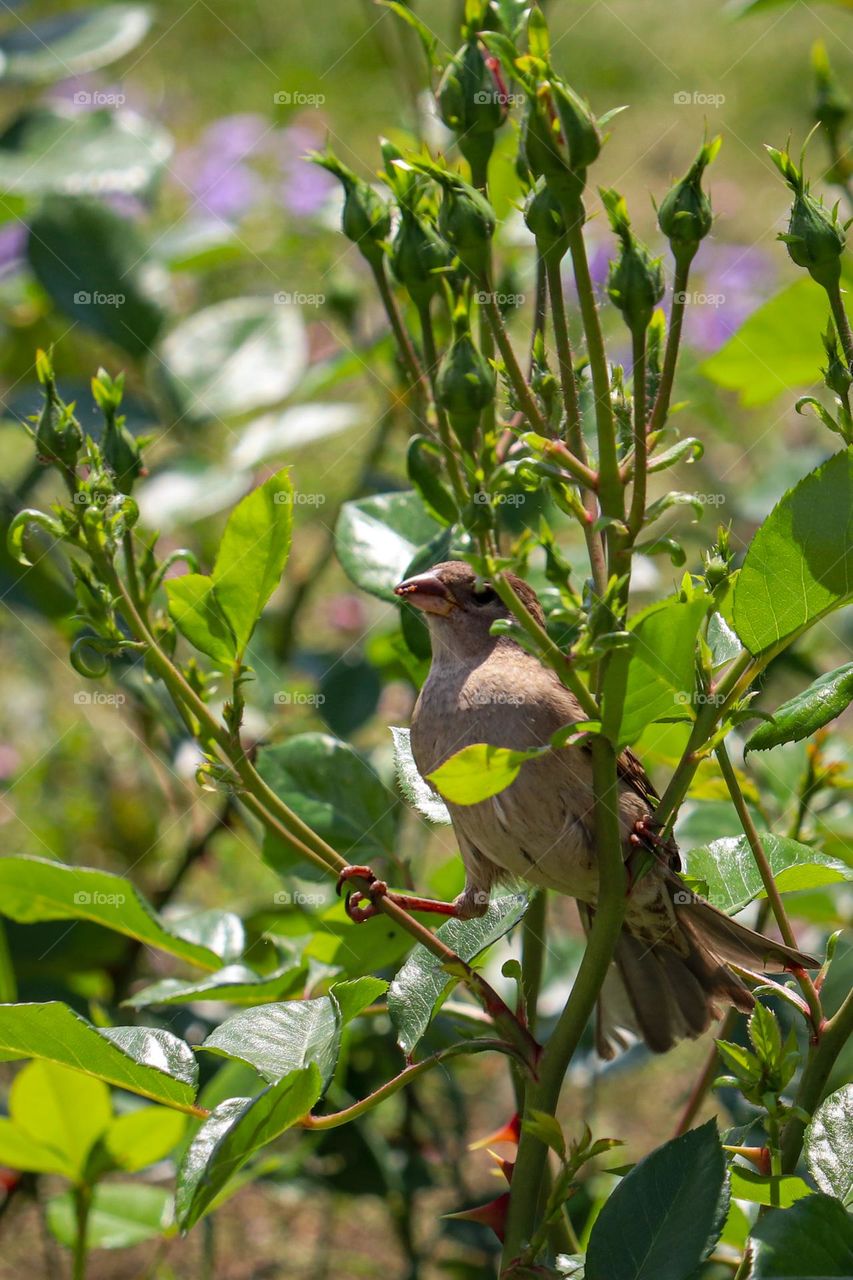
[683,1191]
[732,879]
[807,712]
[814,1237]
[33,889]
[235,984]
[234,1131]
[829,1145]
[417,988]
[355,994]
[195,611]
[277,1039]
[799,565]
[142,1060]
[418,793]
[477,772]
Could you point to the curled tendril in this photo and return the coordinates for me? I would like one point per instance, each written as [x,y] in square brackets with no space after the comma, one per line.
[182,555]
[821,411]
[663,546]
[18,529]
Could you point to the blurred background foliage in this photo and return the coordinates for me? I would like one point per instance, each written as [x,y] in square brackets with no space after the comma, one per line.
[157,216]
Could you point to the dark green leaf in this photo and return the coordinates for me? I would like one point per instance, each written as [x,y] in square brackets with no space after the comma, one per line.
[145,1061]
[807,712]
[814,1238]
[234,1131]
[799,565]
[829,1145]
[417,988]
[122,1214]
[682,1190]
[276,1039]
[235,984]
[232,357]
[91,262]
[377,538]
[728,871]
[37,889]
[72,44]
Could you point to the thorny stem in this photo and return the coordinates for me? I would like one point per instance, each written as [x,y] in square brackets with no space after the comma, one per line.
[444,435]
[673,341]
[835,1035]
[842,324]
[407,351]
[543,1093]
[533,947]
[770,887]
[638,497]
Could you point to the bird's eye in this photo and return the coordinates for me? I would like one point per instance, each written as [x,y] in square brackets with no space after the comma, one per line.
[484,595]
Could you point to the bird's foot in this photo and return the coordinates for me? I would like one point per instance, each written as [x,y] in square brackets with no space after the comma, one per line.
[362,904]
[646,833]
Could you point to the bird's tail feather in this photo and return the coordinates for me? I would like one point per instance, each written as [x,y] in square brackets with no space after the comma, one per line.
[673,988]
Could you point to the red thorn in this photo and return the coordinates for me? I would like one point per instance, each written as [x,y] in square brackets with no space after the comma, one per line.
[509,1132]
[492,1215]
[506,1166]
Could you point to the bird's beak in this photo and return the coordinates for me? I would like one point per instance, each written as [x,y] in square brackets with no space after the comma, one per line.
[428,593]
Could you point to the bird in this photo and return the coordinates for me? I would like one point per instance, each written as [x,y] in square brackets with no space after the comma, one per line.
[671,968]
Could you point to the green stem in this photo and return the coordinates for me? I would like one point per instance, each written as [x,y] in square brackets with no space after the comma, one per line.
[842,324]
[543,1094]
[638,497]
[673,342]
[404,346]
[610,488]
[82,1207]
[431,360]
[770,887]
[533,953]
[834,1036]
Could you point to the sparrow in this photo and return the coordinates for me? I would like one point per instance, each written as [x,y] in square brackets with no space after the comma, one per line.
[671,967]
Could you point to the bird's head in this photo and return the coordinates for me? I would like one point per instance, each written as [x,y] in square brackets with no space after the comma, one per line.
[460,607]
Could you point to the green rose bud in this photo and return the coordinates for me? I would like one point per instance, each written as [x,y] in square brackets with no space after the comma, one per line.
[559,140]
[467,222]
[815,238]
[544,218]
[366,219]
[473,103]
[119,448]
[635,283]
[465,383]
[58,435]
[418,257]
[685,216]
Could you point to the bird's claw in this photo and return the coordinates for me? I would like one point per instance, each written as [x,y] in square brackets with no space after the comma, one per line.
[645,832]
[376,890]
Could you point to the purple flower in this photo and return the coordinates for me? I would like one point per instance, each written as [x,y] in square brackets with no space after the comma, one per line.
[728,282]
[13,241]
[306,187]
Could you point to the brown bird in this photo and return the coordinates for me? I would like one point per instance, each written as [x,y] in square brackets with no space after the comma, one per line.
[671,964]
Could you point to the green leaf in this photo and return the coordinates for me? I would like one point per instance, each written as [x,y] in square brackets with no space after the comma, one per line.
[56,1116]
[235,1130]
[279,433]
[760,1188]
[418,987]
[277,1039]
[814,1238]
[195,611]
[416,792]
[777,348]
[252,555]
[235,984]
[149,1062]
[799,565]
[377,538]
[354,995]
[332,788]
[807,712]
[479,771]
[72,44]
[142,1137]
[33,889]
[92,263]
[122,1214]
[829,1145]
[656,676]
[232,357]
[97,152]
[682,1190]
[728,871]
[341,944]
